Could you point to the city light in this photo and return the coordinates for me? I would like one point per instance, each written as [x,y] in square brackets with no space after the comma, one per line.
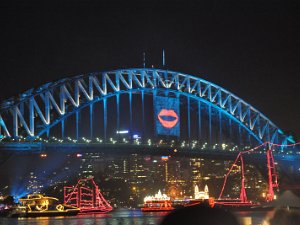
[122,131]
[43,155]
[136,136]
[164,158]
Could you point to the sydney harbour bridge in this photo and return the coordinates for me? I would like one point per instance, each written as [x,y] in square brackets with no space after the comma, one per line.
[141,108]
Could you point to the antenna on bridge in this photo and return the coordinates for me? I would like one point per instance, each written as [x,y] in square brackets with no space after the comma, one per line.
[144,59]
[163,58]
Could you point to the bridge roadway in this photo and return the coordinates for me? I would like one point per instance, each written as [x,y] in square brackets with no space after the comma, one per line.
[288,164]
[37,147]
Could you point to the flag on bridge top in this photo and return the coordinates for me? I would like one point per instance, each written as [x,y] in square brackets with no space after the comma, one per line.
[167,116]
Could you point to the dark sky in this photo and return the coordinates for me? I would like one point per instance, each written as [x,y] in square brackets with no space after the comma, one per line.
[251,48]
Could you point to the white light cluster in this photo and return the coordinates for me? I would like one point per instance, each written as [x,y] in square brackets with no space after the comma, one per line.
[156,197]
[99,140]
[86,140]
[182,144]
[137,142]
[112,141]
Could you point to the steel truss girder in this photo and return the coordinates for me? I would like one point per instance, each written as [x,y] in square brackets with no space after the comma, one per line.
[62,97]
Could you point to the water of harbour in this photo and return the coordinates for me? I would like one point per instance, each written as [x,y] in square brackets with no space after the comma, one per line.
[120,217]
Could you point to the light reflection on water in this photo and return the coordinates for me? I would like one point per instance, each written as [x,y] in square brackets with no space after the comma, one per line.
[253,217]
[118,217]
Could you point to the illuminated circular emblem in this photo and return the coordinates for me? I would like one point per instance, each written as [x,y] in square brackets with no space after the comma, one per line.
[60,207]
[168,118]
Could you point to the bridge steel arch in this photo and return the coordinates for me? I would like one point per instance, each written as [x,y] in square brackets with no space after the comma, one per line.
[36,111]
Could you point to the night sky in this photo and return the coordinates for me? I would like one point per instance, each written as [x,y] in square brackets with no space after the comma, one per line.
[251,48]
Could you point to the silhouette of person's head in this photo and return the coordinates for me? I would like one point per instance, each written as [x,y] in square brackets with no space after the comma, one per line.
[285,217]
[199,215]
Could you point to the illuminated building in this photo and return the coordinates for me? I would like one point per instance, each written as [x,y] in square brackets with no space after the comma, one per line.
[201,194]
[196,171]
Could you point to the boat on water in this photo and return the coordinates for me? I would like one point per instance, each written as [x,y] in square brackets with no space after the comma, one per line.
[237,204]
[162,202]
[38,205]
[86,196]
[157,203]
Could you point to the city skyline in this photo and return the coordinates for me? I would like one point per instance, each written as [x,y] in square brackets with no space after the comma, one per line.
[125,180]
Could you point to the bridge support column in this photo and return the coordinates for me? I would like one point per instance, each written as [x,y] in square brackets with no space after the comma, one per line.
[220,128]
[240,134]
[230,127]
[63,129]
[15,123]
[143,115]
[209,125]
[118,111]
[199,121]
[249,139]
[91,120]
[105,119]
[130,111]
[189,120]
[77,125]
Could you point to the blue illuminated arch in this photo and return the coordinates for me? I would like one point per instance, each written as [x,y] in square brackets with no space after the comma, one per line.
[55,101]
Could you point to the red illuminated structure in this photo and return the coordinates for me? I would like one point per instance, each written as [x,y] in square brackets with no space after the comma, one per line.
[272,179]
[272,176]
[86,196]
[169,113]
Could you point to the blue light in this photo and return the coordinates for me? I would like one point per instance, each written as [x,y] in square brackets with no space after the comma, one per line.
[122,131]
[18,192]
[136,136]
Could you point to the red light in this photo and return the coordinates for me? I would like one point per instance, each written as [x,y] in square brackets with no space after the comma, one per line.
[86,196]
[147,158]
[168,123]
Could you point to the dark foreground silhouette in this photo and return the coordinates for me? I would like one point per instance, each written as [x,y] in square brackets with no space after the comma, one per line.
[285,217]
[200,215]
